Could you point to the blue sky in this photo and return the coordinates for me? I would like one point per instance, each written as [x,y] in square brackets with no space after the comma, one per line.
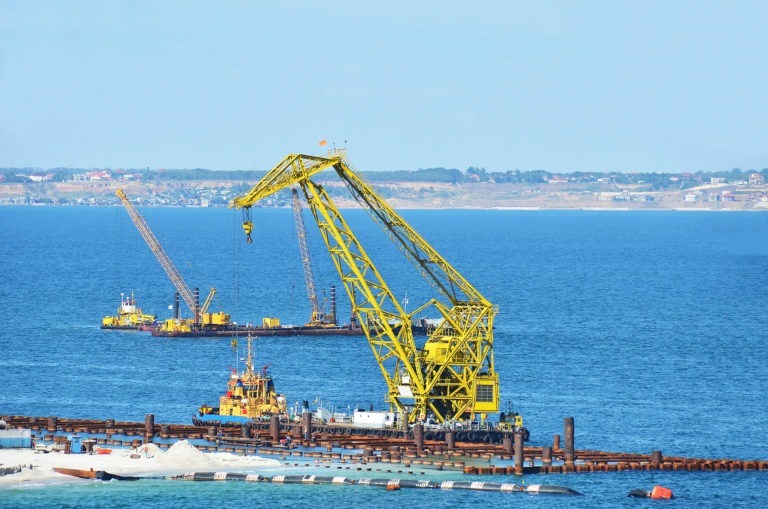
[554,85]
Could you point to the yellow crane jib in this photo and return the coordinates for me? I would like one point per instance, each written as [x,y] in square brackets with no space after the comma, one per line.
[451,375]
[201,314]
[208,301]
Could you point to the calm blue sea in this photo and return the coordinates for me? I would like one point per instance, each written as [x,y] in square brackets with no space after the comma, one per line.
[649,328]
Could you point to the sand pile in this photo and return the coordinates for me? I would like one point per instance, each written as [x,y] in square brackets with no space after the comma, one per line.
[25,466]
[182,454]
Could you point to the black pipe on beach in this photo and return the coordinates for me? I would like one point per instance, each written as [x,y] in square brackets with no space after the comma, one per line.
[390,484]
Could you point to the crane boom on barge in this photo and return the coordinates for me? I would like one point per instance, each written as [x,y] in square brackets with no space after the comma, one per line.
[202,318]
[450,376]
[318,316]
[212,324]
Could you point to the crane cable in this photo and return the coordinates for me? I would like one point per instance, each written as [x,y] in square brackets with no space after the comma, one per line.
[236,243]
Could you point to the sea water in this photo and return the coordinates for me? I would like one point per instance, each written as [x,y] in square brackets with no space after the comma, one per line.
[649,328]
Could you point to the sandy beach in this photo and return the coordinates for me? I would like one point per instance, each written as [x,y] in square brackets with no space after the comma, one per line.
[146,461]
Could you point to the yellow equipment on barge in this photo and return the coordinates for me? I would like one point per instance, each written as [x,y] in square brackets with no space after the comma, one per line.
[201,320]
[129,316]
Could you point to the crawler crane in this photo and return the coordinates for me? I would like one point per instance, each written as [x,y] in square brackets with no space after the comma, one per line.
[318,317]
[451,376]
[202,318]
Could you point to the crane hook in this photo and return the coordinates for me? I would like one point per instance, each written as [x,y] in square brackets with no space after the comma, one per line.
[247,224]
[248,227]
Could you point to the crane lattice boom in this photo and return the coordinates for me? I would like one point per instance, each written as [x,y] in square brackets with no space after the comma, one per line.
[306,262]
[208,301]
[162,257]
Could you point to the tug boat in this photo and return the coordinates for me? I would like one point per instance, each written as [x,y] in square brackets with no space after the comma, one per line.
[250,396]
[129,316]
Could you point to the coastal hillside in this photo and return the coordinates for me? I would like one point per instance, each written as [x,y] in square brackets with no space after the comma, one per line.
[401,194]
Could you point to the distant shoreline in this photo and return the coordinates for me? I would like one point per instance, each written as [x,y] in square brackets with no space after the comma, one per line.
[399,195]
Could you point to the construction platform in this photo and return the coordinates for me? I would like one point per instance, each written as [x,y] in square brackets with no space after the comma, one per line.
[291,442]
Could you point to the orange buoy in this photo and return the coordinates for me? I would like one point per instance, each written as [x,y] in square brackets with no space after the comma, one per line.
[392,487]
[660,492]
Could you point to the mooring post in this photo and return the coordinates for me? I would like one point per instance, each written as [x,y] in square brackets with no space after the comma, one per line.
[306,425]
[418,436]
[53,423]
[546,455]
[149,427]
[450,440]
[569,458]
[556,443]
[274,428]
[656,458]
[506,442]
[245,431]
[518,453]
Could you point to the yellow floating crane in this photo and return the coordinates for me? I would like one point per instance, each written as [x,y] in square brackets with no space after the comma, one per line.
[201,317]
[451,375]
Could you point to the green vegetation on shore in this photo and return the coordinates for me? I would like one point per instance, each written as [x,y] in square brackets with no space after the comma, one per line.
[654,180]
[423,188]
